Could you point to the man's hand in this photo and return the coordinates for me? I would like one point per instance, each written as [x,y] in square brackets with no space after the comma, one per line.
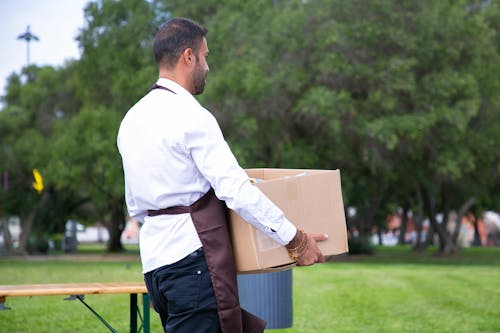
[303,248]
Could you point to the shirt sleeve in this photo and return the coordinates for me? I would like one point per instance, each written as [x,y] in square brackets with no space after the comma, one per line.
[213,157]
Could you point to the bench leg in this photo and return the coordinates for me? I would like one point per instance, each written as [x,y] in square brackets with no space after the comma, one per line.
[133,313]
[2,303]
[80,298]
[145,312]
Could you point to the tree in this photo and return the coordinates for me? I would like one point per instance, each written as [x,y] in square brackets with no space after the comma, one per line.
[117,65]
[401,96]
[84,160]
[33,102]
[116,49]
[374,88]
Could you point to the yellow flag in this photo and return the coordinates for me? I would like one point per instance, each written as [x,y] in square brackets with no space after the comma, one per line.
[38,183]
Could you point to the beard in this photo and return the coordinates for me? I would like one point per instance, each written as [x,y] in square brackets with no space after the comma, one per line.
[199,78]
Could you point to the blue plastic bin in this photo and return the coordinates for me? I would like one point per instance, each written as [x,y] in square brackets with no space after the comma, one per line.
[268,296]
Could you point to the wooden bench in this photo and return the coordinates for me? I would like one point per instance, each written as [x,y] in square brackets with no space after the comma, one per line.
[78,290]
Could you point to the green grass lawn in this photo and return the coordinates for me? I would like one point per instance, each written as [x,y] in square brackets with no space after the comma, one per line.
[393,291]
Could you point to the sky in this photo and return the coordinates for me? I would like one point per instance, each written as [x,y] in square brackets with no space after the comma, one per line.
[54,22]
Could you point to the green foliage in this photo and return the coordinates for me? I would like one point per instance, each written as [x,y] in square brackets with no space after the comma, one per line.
[38,244]
[33,105]
[57,240]
[360,245]
[117,64]
[98,164]
[402,96]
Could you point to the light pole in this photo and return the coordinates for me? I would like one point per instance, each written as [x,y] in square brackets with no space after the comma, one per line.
[28,37]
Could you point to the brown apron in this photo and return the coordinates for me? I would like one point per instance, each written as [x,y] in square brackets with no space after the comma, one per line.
[209,217]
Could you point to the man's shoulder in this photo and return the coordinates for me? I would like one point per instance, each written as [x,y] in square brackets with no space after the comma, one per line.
[168,108]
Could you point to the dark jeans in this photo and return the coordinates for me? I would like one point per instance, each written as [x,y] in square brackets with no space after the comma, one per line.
[183,295]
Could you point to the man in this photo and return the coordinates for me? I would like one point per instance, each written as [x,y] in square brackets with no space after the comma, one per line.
[177,166]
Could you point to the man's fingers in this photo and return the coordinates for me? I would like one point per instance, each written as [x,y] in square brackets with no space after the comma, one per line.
[319,237]
[313,253]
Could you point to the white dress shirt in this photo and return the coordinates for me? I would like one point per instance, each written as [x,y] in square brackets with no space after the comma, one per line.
[173,151]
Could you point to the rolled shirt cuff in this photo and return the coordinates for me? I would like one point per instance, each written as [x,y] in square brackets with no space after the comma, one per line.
[286,232]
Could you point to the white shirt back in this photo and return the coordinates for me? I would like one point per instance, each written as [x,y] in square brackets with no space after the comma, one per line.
[173,151]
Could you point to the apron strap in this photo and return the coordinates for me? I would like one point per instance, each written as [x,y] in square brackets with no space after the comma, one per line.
[157,86]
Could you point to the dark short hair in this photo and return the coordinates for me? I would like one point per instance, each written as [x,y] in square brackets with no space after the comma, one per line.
[175,36]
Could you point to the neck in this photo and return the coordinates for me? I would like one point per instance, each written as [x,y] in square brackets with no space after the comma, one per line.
[174,76]
[164,74]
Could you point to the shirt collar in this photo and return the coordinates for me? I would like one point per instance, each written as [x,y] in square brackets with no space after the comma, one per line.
[172,85]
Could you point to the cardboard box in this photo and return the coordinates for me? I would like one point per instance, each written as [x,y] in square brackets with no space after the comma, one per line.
[310,199]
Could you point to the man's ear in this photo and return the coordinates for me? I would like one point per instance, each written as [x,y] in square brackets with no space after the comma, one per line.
[188,56]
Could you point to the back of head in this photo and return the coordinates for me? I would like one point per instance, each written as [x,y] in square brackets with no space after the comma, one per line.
[173,37]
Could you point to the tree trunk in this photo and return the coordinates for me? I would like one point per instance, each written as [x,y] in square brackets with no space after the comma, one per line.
[419,244]
[27,223]
[404,222]
[7,238]
[116,226]
[418,220]
[446,245]
[429,237]
[380,235]
[477,237]
[462,211]
[370,215]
